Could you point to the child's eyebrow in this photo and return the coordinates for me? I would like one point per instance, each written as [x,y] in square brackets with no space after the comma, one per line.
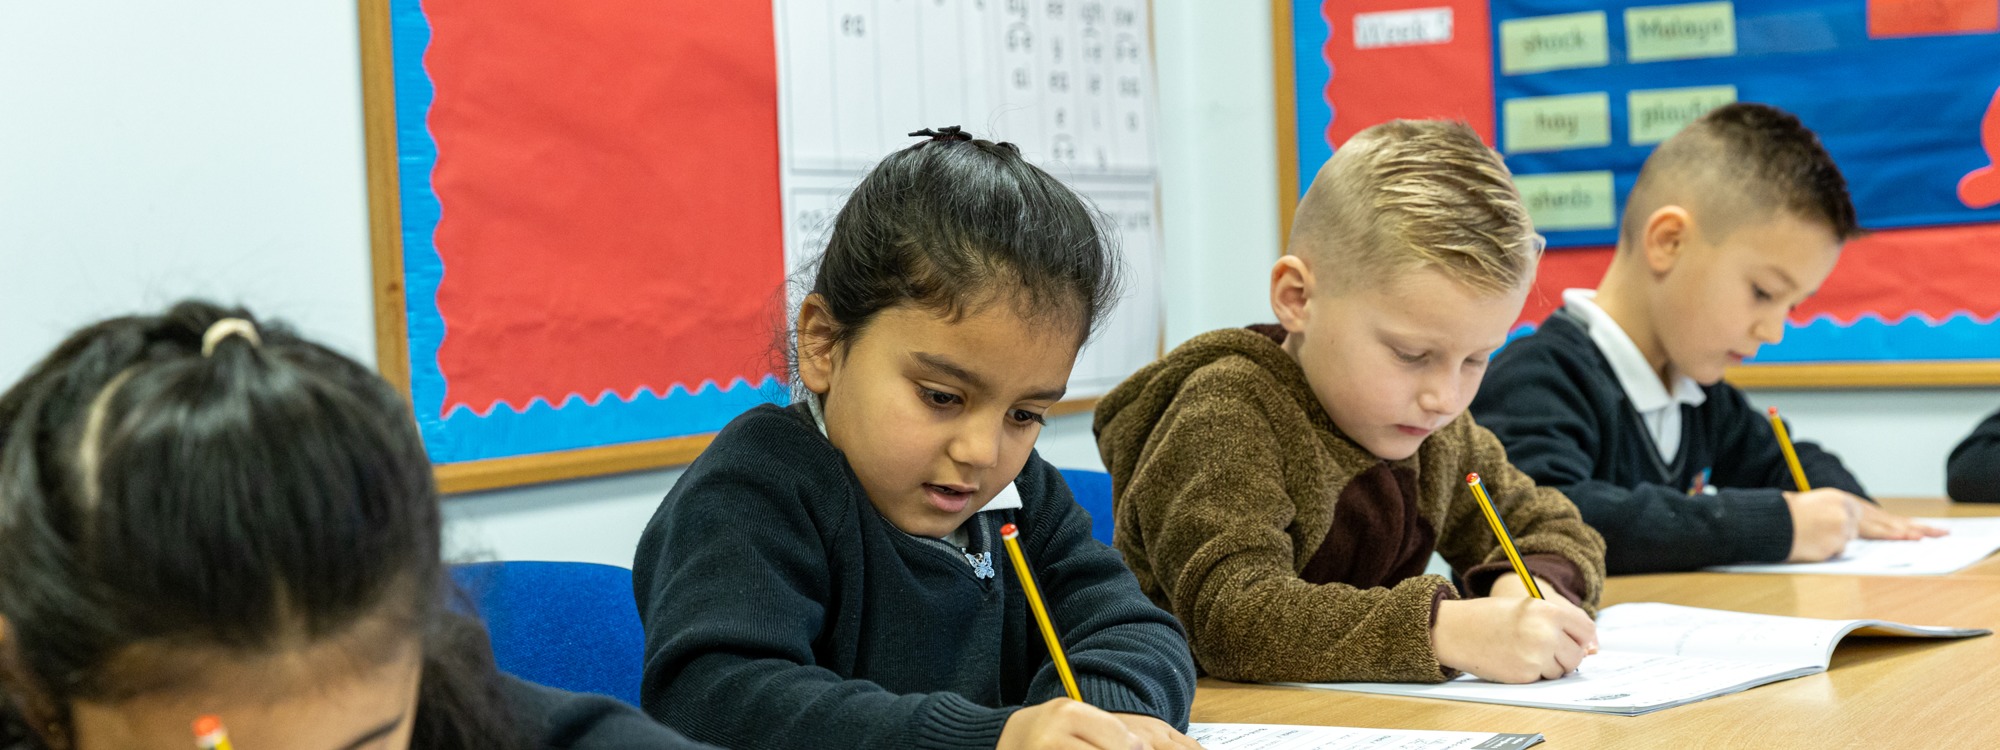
[374,734]
[940,364]
[1410,337]
[1048,394]
[1783,275]
[943,365]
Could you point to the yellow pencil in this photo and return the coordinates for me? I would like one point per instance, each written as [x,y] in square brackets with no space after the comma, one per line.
[209,734]
[1500,532]
[1791,456]
[1010,536]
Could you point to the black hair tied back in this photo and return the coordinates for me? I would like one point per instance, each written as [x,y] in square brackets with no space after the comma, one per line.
[954,223]
[202,480]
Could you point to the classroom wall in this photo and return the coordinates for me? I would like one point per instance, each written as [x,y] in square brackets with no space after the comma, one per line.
[149,153]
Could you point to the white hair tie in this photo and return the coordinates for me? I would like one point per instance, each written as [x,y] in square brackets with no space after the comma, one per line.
[225,328]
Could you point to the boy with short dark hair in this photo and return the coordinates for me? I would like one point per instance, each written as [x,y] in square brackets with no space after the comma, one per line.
[1618,399]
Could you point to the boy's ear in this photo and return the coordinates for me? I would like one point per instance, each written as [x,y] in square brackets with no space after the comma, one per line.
[816,348]
[1665,237]
[1291,289]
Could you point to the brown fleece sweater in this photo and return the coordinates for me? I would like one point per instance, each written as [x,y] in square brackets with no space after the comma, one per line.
[1227,479]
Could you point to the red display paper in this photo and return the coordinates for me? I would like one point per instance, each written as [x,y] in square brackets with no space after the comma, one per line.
[607,173]
[1891,18]
[1451,80]
[1981,187]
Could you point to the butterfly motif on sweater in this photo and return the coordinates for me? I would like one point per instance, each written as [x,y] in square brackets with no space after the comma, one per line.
[982,564]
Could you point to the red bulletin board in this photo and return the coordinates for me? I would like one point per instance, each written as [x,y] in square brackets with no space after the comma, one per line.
[578,227]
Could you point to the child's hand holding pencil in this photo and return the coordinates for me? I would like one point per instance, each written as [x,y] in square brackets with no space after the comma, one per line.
[1824,520]
[1069,722]
[1513,635]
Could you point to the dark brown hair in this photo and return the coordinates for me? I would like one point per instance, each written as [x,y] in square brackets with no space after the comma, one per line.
[1745,155]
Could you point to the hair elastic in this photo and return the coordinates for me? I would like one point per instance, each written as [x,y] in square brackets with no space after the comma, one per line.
[947,133]
[225,328]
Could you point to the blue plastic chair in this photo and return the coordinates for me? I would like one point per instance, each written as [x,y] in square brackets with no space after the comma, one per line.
[566,625]
[1093,491]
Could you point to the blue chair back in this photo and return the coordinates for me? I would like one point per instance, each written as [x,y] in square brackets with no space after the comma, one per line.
[566,625]
[1093,491]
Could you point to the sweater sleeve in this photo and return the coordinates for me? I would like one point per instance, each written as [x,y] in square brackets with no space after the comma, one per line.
[1550,431]
[1550,535]
[1128,655]
[731,580]
[1212,515]
[1973,473]
[562,720]
[1747,454]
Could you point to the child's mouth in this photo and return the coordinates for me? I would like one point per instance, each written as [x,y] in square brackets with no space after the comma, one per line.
[948,498]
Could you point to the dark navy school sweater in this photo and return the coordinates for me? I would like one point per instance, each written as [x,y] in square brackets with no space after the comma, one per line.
[1555,403]
[549,719]
[1972,475]
[562,720]
[783,611]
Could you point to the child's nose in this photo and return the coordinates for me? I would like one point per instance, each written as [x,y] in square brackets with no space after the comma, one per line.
[1439,396]
[976,445]
[1770,330]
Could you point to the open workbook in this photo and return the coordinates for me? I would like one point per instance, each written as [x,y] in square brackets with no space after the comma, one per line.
[1294,737]
[1970,540]
[1655,656]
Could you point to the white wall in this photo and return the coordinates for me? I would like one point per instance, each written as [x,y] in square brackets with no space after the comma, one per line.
[150,152]
[153,151]
[1895,441]
[1218,169]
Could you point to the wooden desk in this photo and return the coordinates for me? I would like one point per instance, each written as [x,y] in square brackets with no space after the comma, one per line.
[1937,507]
[1880,692]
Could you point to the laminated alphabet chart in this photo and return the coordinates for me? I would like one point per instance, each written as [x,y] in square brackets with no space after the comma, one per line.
[1068,81]
[588,217]
[1904,94]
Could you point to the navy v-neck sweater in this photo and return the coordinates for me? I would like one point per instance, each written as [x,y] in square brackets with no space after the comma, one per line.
[1555,403]
[783,611]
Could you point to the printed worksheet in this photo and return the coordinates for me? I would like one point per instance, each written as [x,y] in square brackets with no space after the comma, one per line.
[1971,540]
[1656,656]
[1295,737]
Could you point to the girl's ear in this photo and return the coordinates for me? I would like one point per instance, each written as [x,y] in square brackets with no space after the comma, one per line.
[816,344]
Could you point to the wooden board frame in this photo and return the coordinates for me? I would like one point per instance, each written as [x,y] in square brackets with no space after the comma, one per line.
[392,350]
[1814,376]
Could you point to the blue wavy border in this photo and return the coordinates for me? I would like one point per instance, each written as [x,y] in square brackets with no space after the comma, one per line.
[464,435]
[1870,338]
[1310,73]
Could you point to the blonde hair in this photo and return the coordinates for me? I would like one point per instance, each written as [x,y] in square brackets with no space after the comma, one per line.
[1413,194]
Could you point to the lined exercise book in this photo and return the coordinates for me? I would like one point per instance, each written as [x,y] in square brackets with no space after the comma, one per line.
[1657,656]
[1295,737]
[1970,540]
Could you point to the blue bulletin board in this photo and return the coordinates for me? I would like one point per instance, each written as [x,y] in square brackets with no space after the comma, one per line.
[1904,94]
